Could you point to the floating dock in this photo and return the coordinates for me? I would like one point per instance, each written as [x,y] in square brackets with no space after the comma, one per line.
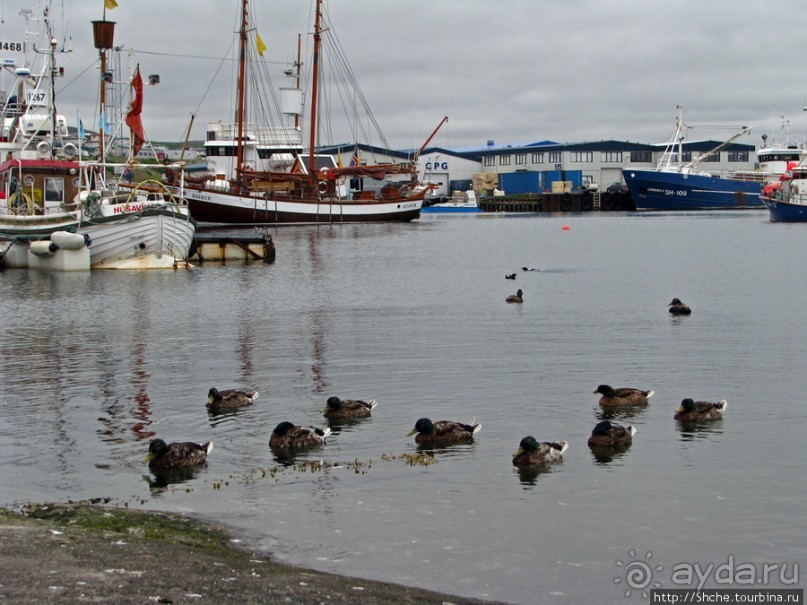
[576,201]
[219,247]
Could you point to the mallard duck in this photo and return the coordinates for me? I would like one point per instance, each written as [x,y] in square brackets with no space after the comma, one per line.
[443,432]
[608,434]
[518,297]
[697,411]
[532,453]
[287,436]
[624,396]
[229,399]
[510,276]
[163,456]
[336,408]
[679,308]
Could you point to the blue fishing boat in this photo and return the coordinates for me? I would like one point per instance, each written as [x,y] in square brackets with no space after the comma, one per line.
[674,185]
[786,198]
[459,203]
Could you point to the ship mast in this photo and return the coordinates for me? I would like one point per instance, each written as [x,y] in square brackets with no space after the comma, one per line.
[242,61]
[314,92]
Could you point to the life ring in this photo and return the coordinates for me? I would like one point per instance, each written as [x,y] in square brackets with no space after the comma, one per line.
[322,188]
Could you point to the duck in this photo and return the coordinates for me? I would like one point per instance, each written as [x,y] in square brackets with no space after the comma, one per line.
[164,456]
[336,408]
[532,453]
[444,432]
[697,411]
[624,396]
[528,269]
[518,297]
[288,436]
[609,434]
[510,276]
[229,399]
[679,308]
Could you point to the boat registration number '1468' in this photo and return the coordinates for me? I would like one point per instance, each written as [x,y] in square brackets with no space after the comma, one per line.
[12,46]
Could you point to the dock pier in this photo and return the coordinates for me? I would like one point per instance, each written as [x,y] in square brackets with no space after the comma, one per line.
[577,201]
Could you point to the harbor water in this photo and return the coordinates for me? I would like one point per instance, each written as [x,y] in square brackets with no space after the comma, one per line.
[95,364]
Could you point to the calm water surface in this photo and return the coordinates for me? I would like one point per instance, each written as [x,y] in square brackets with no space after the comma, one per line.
[94,365]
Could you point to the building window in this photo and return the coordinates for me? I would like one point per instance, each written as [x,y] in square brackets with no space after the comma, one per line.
[738,156]
[611,157]
[555,157]
[641,157]
[504,160]
[582,157]
[490,160]
[538,158]
[521,158]
[715,157]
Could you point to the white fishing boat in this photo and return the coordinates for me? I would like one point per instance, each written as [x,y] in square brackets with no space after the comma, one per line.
[259,174]
[51,200]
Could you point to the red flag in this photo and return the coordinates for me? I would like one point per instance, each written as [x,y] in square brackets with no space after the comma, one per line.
[133,120]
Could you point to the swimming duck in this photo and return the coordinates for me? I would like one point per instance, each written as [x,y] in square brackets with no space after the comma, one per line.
[229,399]
[612,397]
[697,411]
[532,453]
[287,436]
[163,456]
[528,269]
[510,276]
[518,297]
[679,308]
[336,408]
[608,434]
[443,432]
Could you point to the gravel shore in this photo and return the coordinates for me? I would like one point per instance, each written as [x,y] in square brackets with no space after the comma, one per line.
[89,553]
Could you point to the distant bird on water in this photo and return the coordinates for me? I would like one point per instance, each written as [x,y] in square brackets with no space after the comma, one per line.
[679,308]
[336,408]
[443,432]
[518,297]
[290,437]
[609,434]
[620,397]
[528,269]
[532,453]
[163,456]
[698,411]
[510,276]
[229,399]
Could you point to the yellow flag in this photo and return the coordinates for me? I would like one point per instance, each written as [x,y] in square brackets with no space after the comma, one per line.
[260,44]
[110,4]
[339,159]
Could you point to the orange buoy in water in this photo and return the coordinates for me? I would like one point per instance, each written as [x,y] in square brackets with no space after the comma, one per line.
[566,228]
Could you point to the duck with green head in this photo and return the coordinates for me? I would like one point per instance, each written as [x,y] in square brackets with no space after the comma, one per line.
[163,456]
[345,409]
[290,437]
[610,434]
[623,396]
[532,453]
[229,399]
[444,432]
[700,411]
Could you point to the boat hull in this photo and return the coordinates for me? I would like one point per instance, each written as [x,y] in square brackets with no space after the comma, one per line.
[153,238]
[785,212]
[658,190]
[207,206]
[449,209]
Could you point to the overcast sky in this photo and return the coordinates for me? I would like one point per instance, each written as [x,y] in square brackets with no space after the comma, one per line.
[512,71]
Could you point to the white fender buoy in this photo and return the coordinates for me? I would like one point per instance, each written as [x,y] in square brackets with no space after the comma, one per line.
[68,241]
[42,248]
